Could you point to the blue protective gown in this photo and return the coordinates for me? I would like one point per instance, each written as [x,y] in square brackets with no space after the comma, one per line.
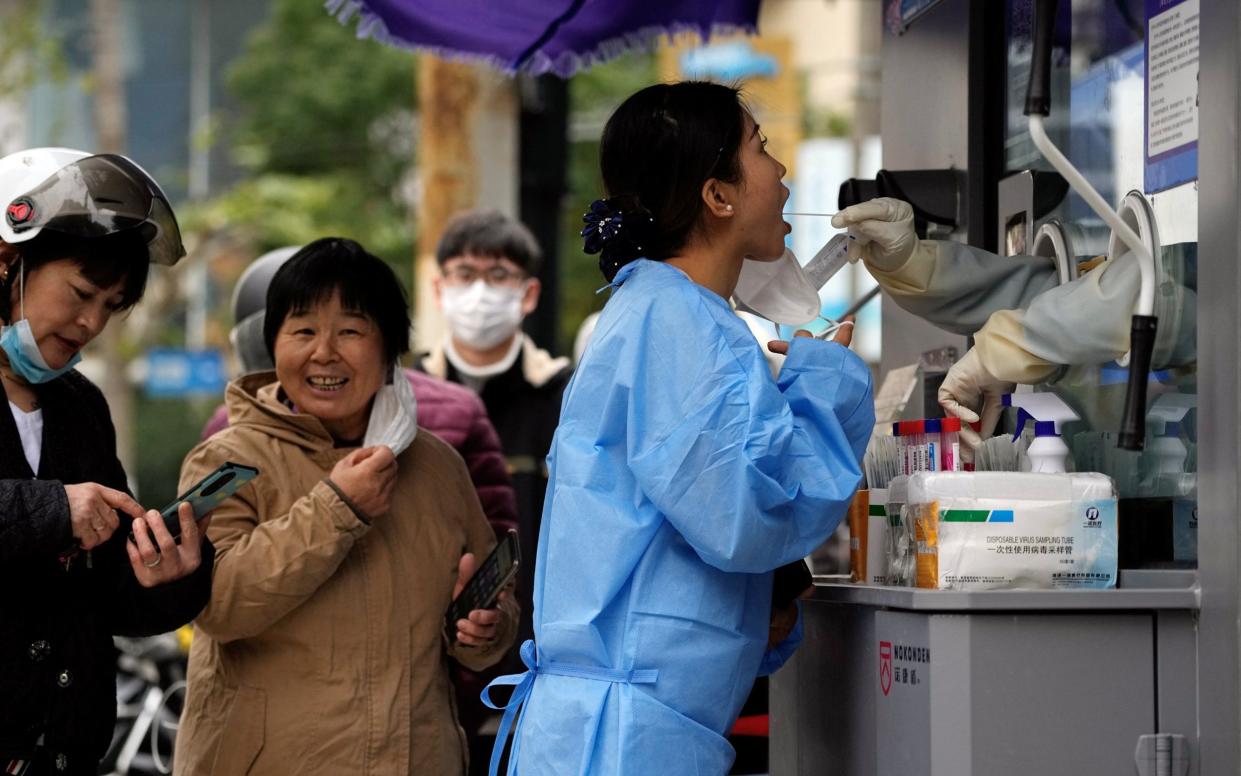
[681,476]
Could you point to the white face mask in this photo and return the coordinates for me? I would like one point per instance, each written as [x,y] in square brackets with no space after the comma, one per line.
[482,316]
[394,415]
[783,291]
[777,290]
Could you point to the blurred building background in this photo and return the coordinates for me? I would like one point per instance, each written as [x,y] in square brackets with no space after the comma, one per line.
[271,124]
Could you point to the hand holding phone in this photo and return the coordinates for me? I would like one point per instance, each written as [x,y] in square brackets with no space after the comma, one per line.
[155,556]
[479,591]
[208,494]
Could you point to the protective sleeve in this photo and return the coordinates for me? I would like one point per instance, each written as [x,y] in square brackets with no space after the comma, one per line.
[265,569]
[752,473]
[1086,322]
[957,287]
[1004,351]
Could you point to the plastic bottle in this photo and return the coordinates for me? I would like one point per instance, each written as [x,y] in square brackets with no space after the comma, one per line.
[1044,405]
[1167,453]
[1048,452]
[934,444]
[950,445]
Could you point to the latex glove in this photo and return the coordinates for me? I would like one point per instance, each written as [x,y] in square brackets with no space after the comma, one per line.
[884,229]
[973,394]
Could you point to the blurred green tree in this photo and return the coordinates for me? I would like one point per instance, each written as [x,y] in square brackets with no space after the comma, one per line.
[28,51]
[325,129]
[594,95]
[324,132]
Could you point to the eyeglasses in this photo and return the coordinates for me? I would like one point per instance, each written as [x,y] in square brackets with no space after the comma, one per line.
[495,275]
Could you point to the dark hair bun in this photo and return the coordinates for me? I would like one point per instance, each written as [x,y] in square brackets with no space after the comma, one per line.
[619,230]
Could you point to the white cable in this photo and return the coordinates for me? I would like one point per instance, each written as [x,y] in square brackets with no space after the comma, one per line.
[1146,262]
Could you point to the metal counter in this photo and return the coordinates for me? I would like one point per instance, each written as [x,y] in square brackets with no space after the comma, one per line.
[898,681]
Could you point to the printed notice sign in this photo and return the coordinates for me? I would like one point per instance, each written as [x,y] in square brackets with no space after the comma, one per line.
[1171,93]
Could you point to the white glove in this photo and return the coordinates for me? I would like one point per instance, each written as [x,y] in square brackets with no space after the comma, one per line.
[971,393]
[884,229]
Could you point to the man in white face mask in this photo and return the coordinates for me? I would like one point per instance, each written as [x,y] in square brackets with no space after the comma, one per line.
[487,286]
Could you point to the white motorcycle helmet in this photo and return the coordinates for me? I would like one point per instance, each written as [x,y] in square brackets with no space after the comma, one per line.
[84,195]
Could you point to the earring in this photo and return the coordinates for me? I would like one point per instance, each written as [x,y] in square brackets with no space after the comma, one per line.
[729,208]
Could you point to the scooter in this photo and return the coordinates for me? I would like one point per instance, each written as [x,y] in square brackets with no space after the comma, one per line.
[150,694]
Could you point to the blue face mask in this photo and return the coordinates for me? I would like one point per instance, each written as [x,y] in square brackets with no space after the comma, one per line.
[19,345]
[27,362]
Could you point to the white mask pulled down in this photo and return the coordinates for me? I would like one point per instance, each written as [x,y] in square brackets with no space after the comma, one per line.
[394,415]
[480,315]
[784,292]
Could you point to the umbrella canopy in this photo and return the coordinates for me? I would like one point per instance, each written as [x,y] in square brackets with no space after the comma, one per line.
[538,36]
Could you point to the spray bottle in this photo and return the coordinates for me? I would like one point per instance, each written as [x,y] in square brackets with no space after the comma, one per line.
[1048,452]
[1163,461]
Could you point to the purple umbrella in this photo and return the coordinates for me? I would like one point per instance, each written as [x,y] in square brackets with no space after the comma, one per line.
[538,36]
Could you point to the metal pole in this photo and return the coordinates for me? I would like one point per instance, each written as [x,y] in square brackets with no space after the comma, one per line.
[110,129]
[200,168]
[544,128]
[1219,386]
[448,95]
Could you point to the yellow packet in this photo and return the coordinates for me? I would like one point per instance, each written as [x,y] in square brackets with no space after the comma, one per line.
[859,522]
[926,540]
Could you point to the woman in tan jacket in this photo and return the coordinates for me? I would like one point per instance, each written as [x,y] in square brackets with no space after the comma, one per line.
[322,650]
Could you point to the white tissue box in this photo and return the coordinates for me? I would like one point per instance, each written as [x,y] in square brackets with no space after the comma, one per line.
[1006,530]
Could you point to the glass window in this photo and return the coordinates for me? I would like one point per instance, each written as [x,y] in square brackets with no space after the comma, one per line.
[1099,120]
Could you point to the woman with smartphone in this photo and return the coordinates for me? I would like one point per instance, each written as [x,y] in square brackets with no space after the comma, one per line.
[682,474]
[324,648]
[77,235]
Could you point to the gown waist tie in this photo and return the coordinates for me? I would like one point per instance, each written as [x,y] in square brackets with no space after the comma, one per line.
[521,684]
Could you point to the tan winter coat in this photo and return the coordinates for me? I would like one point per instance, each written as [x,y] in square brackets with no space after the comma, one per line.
[322,649]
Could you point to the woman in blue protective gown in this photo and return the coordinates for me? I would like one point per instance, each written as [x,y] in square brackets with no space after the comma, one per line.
[681,474]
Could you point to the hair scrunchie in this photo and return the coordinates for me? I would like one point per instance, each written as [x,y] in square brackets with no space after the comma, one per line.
[619,231]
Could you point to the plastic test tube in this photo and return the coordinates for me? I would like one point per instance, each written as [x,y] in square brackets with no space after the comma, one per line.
[977,427]
[918,431]
[922,446]
[912,433]
[950,444]
[901,461]
[933,445]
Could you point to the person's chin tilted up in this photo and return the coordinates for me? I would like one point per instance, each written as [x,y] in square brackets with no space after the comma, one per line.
[682,474]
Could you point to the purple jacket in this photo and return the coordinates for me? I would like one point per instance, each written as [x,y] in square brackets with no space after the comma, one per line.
[456,415]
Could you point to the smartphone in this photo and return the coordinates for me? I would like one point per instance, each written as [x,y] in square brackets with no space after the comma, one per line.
[208,493]
[484,587]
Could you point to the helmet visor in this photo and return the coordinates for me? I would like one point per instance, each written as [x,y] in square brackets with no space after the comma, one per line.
[101,195]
